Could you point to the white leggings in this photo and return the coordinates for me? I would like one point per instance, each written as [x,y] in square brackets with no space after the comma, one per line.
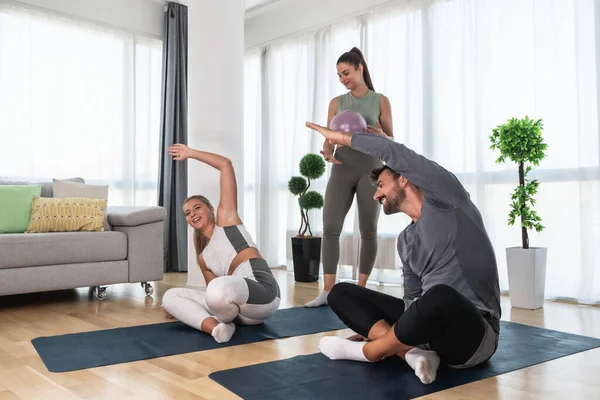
[226,298]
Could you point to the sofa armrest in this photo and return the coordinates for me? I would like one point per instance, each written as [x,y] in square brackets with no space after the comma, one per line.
[145,251]
[134,216]
[143,226]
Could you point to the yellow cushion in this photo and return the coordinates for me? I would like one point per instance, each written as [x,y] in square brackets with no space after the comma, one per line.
[66,215]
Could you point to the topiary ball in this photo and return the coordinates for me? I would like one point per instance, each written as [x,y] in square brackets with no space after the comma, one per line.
[312,166]
[311,200]
[297,185]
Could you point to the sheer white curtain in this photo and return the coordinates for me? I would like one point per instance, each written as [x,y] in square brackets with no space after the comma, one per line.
[484,62]
[454,70]
[79,99]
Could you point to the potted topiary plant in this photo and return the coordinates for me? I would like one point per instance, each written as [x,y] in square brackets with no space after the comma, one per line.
[520,140]
[306,249]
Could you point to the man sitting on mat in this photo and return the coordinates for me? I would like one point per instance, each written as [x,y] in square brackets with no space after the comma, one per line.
[451,307]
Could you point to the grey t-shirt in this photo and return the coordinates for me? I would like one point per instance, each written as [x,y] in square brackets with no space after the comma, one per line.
[448,244]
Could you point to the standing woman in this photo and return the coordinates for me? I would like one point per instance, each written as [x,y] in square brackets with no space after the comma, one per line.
[351,171]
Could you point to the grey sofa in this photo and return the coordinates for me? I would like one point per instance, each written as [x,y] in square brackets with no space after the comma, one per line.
[131,252]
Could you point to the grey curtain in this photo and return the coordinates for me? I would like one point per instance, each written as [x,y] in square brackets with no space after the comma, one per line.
[172,189]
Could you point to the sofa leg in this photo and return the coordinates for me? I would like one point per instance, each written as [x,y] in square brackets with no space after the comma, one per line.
[147,288]
[100,292]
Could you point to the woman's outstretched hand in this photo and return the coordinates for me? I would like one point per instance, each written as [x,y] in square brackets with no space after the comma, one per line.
[180,152]
[334,137]
[328,156]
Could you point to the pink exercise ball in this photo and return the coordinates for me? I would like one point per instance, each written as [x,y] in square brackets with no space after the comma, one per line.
[348,121]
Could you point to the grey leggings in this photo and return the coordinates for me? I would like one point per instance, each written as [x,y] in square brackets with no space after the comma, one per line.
[250,296]
[347,179]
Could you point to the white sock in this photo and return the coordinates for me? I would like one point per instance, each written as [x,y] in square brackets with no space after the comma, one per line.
[337,348]
[223,332]
[424,362]
[319,301]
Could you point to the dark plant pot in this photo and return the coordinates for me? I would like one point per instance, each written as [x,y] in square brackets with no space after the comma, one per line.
[307,258]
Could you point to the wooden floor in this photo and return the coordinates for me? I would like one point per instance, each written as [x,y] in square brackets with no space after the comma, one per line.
[24,376]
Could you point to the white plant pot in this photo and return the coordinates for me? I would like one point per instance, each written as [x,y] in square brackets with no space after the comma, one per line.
[526,276]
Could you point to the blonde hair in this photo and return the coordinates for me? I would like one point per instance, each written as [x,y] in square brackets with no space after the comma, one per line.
[200,240]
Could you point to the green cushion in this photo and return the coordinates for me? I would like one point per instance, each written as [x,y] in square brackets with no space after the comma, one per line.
[15,206]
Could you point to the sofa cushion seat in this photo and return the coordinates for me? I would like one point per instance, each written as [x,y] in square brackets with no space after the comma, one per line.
[33,249]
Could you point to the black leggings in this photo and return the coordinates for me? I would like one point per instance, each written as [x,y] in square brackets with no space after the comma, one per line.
[442,318]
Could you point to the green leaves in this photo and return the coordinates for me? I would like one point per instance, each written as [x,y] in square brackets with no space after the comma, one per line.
[311,200]
[297,185]
[522,206]
[521,141]
[312,166]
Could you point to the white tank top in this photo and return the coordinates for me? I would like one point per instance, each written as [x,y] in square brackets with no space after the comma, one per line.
[225,243]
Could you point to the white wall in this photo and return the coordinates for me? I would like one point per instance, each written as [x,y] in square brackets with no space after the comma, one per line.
[143,16]
[289,17]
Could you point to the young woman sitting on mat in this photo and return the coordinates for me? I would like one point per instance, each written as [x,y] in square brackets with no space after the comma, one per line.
[240,286]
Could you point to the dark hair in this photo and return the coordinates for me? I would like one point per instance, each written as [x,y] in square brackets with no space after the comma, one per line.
[377,171]
[200,241]
[355,58]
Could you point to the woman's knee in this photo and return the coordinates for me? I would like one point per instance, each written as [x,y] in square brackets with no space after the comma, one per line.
[226,294]
[368,234]
[332,228]
[367,223]
[333,219]
[169,299]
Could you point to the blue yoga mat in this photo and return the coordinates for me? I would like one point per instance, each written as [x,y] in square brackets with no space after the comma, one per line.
[114,346]
[316,377]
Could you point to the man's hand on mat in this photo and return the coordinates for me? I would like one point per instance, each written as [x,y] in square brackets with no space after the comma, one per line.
[180,152]
[358,338]
[334,137]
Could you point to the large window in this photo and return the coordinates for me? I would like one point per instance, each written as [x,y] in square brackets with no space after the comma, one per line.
[453,70]
[78,99]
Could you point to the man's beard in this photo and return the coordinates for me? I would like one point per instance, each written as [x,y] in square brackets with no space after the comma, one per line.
[393,203]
